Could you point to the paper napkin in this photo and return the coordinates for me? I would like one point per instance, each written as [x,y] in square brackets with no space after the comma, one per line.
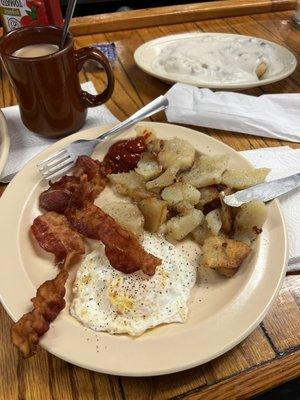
[270,115]
[283,161]
[24,144]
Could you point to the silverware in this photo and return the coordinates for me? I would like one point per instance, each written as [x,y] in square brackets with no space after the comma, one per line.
[68,17]
[264,191]
[60,162]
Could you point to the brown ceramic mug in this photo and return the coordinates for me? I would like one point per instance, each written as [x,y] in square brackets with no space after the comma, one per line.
[47,88]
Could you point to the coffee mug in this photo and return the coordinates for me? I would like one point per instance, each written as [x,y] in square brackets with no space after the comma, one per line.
[47,88]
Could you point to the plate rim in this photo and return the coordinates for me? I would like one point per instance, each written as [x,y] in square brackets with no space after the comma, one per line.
[225,348]
[5,141]
[202,84]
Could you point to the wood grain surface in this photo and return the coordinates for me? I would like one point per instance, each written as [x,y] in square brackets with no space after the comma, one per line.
[175,14]
[271,354]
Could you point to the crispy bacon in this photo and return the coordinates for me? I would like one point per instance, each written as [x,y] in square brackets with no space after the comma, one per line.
[74,196]
[67,182]
[94,172]
[47,304]
[58,196]
[122,248]
[55,200]
[54,234]
[121,261]
[86,184]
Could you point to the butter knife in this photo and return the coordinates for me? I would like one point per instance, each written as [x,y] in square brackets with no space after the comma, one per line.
[264,191]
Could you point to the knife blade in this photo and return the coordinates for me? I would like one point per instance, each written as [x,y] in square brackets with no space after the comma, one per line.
[264,191]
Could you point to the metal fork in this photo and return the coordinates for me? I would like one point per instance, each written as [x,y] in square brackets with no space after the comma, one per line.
[62,161]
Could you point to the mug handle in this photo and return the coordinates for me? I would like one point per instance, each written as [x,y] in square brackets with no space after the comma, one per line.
[90,53]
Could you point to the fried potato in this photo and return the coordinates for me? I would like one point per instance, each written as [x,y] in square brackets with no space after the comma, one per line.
[127,215]
[243,178]
[148,133]
[176,152]
[201,233]
[155,213]
[214,221]
[190,193]
[130,180]
[223,253]
[165,179]
[208,195]
[201,179]
[148,167]
[184,207]
[172,194]
[130,184]
[226,217]
[249,220]
[155,146]
[180,226]
[206,171]
[180,192]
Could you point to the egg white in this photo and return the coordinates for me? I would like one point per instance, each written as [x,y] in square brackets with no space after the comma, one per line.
[108,300]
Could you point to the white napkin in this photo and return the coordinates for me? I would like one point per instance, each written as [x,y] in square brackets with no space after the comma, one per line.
[24,144]
[273,115]
[283,161]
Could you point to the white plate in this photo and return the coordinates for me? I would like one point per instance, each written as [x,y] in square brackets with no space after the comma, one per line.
[4,141]
[146,54]
[223,311]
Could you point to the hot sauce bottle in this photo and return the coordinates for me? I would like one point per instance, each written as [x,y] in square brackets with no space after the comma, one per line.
[18,13]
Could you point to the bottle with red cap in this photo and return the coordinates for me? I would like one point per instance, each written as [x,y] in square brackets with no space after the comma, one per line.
[18,13]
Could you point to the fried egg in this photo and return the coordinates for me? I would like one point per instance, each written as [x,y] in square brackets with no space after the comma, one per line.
[108,300]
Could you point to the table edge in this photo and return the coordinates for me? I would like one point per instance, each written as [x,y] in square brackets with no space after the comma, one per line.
[134,19]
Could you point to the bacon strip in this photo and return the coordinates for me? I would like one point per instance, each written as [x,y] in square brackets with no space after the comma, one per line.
[121,247]
[93,169]
[47,304]
[58,196]
[74,196]
[54,234]
[86,184]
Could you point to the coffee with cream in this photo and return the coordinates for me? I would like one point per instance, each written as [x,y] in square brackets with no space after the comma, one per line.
[47,84]
[36,50]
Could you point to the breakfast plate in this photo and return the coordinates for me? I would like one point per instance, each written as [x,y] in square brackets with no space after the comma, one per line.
[279,61]
[4,141]
[222,311]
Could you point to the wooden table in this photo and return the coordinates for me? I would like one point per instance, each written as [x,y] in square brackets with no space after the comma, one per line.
[271,354]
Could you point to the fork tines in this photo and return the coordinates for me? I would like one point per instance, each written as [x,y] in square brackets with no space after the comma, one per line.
[56,164]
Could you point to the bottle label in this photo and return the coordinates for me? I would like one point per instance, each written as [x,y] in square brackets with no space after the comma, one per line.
[18,13]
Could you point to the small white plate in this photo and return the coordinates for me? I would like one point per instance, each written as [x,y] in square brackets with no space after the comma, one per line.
[4,141]
[222,311]
[146,54]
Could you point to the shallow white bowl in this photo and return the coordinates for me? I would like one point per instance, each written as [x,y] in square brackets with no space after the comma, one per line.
[146,54]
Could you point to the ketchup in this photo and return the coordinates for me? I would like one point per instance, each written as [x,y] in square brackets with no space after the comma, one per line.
[54,12]
[124,155]
[18,13]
